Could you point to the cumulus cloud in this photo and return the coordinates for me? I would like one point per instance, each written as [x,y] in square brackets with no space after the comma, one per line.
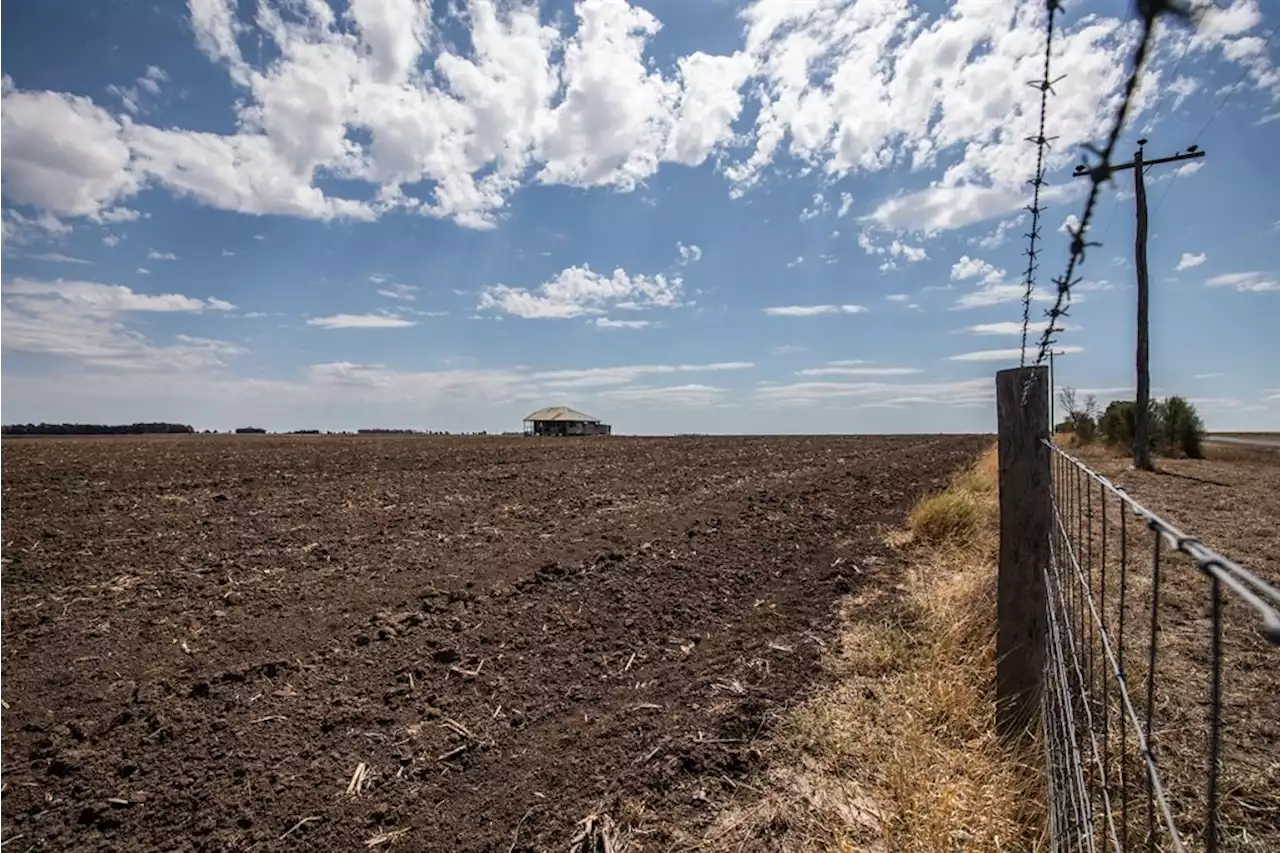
[1188,260]
[63,154]
[607,323]
[452,126]
[968,267]
[153,255]
[577,291]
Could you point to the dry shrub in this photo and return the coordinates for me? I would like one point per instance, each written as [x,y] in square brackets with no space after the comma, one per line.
[899,753]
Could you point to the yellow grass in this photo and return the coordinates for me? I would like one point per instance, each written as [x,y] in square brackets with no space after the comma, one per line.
[899,753]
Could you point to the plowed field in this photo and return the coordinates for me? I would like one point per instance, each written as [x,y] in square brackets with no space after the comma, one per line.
[437,644]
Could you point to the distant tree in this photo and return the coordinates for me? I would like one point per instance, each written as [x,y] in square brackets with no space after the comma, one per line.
[250,431]
[1116,423]
[1082,415]
[1176,427]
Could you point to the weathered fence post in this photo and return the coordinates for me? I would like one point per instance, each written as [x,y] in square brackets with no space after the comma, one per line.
[1025,526]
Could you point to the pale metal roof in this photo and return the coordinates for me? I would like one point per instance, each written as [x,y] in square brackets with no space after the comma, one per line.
[560,413]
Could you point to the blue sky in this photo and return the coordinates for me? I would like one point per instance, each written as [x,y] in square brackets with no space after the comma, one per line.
[770,216]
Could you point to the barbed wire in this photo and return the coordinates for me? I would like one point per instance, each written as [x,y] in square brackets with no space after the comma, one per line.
[1149,11]
[1045,85]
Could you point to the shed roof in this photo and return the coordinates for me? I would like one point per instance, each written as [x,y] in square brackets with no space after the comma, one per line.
[560,413]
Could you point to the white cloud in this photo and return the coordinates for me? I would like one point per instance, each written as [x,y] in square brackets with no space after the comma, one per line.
[360,321]
[143,271]
[131,97]
[688,254]
[997,294]
[111,241]
[153,255]
[1014,327]
[227,253]
[997,237]
[1189,168]
[86,323]
[1188,260]
[788,349]
[858,371]
[890,394]
[911,254]
[692,395]
[59,258]
[898,297]
[1069,225]
[1208,375]
[91,296]
[1254,281]
[19,229]
[404,292]
[811,310]
[968,267]
[820,206]
[846,202]
[603,376]
[576,291]
[379,278]
[512,96]
[606,323]
[799,259]
[1012,354]
[63,154]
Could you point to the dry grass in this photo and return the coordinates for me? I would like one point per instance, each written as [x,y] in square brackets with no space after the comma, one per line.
[899,753]
[953,516]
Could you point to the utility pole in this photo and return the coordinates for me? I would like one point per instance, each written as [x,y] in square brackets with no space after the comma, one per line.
[1142,405]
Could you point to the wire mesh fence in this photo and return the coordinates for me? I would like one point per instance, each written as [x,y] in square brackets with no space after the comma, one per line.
[1161,663]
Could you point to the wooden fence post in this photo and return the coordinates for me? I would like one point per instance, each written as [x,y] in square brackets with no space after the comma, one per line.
[1026,513]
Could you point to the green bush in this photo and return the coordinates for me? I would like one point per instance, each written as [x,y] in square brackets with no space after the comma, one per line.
[1174,427]
[1116,423]
[1177,427]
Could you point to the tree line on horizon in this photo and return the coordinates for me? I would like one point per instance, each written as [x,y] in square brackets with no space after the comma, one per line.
[96,429]
[1176,427]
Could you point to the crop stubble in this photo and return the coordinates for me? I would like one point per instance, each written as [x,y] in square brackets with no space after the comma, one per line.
[428,644]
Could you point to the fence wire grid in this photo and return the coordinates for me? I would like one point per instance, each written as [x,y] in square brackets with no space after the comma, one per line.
[1148,743]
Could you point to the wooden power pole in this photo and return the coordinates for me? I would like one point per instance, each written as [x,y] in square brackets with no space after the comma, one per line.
[1142,405]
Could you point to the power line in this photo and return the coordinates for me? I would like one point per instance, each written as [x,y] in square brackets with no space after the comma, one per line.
[1231,90]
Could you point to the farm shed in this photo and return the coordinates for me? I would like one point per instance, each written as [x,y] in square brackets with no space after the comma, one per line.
[562,420]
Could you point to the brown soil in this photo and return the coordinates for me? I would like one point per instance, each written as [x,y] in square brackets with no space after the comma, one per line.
[204,638]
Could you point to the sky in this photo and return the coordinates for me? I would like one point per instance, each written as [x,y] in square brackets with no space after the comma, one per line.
[676,215]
